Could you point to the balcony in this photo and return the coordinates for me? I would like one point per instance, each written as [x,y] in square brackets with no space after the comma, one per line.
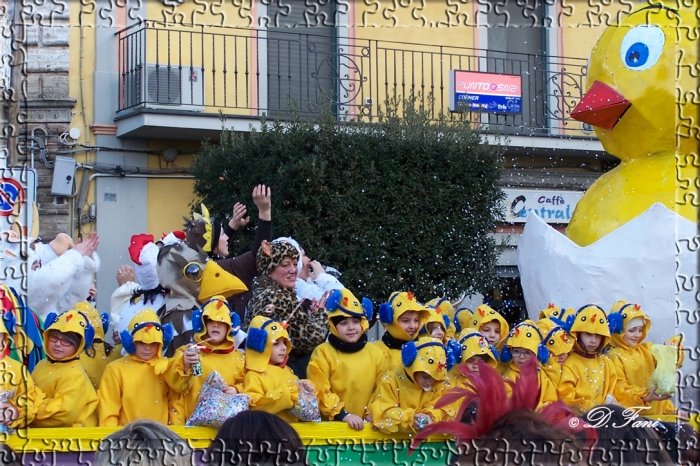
[176,71]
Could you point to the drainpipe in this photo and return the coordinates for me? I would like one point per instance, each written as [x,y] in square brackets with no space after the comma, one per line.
[15,84]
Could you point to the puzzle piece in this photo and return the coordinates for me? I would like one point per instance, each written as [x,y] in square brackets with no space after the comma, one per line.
[379,13]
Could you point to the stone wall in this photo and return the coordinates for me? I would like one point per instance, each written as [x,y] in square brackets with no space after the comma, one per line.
[45,108]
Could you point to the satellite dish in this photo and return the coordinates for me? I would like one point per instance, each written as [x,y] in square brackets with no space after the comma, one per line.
[170,154]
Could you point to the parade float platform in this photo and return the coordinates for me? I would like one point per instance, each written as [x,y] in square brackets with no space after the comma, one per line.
[327,443]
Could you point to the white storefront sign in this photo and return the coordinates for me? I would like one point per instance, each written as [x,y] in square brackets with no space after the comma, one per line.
[550,206]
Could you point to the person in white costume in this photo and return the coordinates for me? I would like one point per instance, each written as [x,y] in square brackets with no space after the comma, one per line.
[312,279]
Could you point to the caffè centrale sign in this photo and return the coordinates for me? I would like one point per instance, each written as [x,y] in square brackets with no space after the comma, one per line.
[550,206]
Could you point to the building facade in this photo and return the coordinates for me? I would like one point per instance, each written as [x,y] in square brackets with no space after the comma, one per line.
[148,81]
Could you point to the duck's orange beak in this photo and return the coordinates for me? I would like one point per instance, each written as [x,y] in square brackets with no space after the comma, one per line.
[602,106]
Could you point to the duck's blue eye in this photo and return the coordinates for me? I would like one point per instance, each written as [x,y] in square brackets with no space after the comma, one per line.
[641,47]
[637,55]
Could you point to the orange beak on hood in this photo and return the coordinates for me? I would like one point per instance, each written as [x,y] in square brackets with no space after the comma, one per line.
[601,106]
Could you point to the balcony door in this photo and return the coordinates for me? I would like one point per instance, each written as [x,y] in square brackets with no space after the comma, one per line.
[301,60]
[516,45]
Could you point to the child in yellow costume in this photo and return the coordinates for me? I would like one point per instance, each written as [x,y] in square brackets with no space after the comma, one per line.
[95,360]
[559,344]
[525,342]
[633,360]
[19,409]
[491,325]
[345,370]
[215,326]
[563,317]
[405,398]
[402,317]
[70,400]
[588,378]
[468,348]
[462,319]
[134,387]
[269,382]
[438,323]
[494,327]
[443,307]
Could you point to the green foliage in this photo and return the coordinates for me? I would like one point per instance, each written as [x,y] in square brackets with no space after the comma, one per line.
[403,203]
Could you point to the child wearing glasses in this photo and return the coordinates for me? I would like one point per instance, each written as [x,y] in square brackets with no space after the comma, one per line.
[70,399]
[134,387]
[523,344]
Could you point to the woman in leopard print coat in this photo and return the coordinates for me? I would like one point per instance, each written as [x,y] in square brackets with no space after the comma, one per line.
[274,297]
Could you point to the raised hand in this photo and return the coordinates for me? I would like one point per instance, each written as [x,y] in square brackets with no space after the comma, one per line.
[89,245]
[262,197]
[125,274]
[316,270]
[239,219]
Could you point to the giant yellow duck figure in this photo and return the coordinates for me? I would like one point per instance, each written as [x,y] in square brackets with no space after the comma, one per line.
[641,78]
[633,234]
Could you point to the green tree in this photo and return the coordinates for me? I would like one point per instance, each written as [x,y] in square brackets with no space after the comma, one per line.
[402,203]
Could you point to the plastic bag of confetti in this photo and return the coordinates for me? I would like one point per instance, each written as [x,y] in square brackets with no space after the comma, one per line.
[5,397]
[214,406]
[664,375]
[306,408]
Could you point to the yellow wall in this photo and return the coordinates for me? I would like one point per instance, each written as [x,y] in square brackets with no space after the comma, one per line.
[415,14]
[169,199]
[208,48]
[80,87]
[239,13]
[393,30]
[226,55]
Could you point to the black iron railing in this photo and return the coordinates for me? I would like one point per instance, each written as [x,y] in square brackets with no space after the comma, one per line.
[251,71]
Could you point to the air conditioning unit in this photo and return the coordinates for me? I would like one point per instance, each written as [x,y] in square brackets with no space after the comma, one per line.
[172,86]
